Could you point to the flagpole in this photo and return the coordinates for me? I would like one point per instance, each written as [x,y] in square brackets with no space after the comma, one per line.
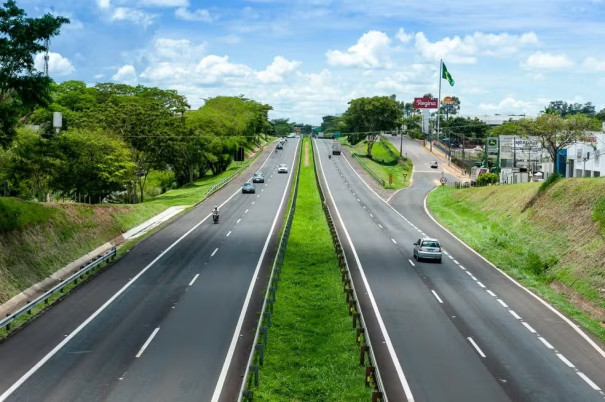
[439,99]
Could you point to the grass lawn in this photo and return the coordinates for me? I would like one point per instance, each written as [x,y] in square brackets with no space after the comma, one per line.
[384,163]
[311,353]
[557,243]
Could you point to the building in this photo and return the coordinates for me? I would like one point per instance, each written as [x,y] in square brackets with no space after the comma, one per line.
[584,159]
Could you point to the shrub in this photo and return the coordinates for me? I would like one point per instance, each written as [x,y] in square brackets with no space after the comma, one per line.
[487,178]
[550,180]
[598,214]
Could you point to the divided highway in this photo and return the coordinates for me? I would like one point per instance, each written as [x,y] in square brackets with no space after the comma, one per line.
[164,322]
[460,330]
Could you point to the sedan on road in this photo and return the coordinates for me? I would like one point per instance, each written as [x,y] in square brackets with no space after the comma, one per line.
[427,248]
[434,164]
[258,177]
[282,168]
[248,187]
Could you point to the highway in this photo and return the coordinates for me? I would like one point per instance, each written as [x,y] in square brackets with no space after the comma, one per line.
[173,319]
[456,331]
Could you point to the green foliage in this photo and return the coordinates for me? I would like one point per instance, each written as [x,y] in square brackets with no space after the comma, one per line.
[470,128]
[22,87]
[16,214]
[537,265]
[550,180]
[282,127]
[564,109]
[487,178]
[598,214]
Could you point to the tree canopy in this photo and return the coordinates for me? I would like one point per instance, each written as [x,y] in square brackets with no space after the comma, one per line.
[21,86]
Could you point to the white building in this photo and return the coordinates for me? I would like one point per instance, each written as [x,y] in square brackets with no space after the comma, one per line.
[584,159]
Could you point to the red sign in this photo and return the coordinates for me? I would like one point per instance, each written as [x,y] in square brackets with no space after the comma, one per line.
[425,103]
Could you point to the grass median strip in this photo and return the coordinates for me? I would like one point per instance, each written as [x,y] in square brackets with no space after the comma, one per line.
[311,351]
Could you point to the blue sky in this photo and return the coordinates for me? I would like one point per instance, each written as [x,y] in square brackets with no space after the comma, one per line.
[308,58]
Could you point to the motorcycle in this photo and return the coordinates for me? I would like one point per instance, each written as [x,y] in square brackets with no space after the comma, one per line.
[215,217]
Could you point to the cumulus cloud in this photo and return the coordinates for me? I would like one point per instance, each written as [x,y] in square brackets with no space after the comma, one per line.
[465,50]
[592,64]
[507,105]
[126,74]
[104,4]
[276,70]
[57,64]
[182,50]
[197,15]
[212,69]
[547,61]
[370,51]
[403,36]
[132,15]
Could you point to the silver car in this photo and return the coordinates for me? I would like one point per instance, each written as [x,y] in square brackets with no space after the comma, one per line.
[427,248]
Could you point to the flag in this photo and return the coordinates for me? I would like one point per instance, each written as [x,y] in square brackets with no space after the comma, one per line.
[446,75]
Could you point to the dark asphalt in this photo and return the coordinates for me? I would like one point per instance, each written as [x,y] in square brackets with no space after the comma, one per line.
[193,291]
[435,314]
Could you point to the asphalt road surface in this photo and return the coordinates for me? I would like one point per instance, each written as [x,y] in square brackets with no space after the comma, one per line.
[168,321]
[456,331]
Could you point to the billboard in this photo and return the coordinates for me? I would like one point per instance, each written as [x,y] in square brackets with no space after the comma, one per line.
[426,103]
[521,148]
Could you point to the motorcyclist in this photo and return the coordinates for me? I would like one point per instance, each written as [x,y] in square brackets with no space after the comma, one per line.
[215,213]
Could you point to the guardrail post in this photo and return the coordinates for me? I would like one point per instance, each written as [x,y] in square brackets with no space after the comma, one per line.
[254,370]
[356,318]
[360,332]
[362,358]
[370,370]
[261,352]
[248,395]
[263,331]
[269,304]
[352,306]
[268,316]
[377,396]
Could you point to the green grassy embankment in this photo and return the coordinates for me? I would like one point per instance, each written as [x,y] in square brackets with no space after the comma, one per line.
[555,246]
[311,354]
[384,162]
[37,239]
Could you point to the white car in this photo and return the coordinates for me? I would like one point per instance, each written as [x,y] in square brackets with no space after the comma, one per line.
[434,164]
[282,168]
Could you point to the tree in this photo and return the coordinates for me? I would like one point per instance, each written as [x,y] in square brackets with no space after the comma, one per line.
[21,86]
[557,133]
[369,116]
[564,109]
[330,124]
[282,127]
[601,115]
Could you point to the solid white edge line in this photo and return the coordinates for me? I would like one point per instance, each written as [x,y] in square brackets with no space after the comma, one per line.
[535,296]
[193,280]
[147,342]
[564,359]
[412,262]
[533,331]
[476,346]
[437,297]
[223,375]
[214,252]
[545,342]
[385,334]
[69,337]
[512,312]
[589,381]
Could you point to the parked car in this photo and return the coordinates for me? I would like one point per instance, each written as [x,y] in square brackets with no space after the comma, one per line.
[258,177]
[282,168]
[427,248]
[248,187]
[434,164]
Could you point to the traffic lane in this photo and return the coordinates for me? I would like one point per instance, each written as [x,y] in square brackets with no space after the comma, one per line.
[436,360]
[22,350]
[582,350]
[191,344]
[494,319]
[119,365]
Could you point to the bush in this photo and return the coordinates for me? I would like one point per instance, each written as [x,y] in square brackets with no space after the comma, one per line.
[552,179]
[598,214]
[487,178]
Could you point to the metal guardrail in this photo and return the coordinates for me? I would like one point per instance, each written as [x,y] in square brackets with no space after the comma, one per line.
[363,165]
[265,317]
[44,298]
[372,377]
[226,180]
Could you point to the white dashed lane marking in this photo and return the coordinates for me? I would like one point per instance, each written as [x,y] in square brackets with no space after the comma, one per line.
[491,293]
[476,346]
[193,280]
[545,342]
[514,314]
[529,327]
[502,303]
[437,297]
[228,233]
[564,359]
[214,252]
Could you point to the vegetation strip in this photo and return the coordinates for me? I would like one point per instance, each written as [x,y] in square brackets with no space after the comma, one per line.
[311,353]
[554,246]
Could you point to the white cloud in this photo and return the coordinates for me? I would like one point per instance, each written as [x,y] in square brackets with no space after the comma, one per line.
[126,74]
[276,70]
[231,39]
[508,104]
[57,64]
[465,50]
[592,64]
[212,69]
[197,15]
[104,4]
[133,15]
[547,61]
[98,76]
[402,36]
[175,50]
[370,51]
[164,3]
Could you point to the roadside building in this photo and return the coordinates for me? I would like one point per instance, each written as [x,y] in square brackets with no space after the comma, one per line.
[584,159]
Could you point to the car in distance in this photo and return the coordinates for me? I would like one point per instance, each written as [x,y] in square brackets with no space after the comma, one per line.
[280,146]
[248,187]
[258,177]
[282,168]
[434,164]
[427,248]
